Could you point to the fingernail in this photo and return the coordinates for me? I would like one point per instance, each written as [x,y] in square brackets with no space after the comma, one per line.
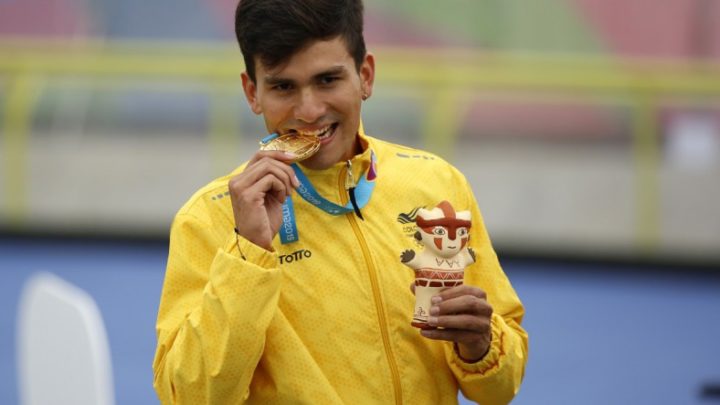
[434,310]
[436,299]
[290,154]
[432,320]
[296,181]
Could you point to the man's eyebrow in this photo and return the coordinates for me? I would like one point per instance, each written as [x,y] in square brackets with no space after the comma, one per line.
[274,80]
[335,70]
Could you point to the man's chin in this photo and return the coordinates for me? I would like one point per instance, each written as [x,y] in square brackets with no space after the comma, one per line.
[319,161]
[332,153]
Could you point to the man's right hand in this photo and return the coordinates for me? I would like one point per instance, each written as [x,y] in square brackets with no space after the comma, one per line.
[257,195]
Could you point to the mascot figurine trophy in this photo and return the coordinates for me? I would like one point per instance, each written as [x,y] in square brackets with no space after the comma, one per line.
[441,265]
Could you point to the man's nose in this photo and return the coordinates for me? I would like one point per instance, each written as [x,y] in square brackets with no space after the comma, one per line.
[309,106]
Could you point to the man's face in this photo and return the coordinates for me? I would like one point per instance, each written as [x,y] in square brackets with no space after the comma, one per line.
[318,91]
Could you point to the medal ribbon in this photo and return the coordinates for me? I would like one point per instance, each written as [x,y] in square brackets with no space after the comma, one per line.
[361,194]
[269,138]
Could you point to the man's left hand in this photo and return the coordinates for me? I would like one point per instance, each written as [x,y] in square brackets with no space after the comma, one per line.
[462,315]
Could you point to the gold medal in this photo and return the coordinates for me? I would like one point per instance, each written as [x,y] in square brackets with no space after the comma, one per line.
[303,146]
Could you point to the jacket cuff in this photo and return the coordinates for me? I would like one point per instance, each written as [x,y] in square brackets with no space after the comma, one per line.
[243,249]
[488,364]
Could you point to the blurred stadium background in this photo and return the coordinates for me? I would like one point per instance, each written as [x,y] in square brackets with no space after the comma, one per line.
[589,129]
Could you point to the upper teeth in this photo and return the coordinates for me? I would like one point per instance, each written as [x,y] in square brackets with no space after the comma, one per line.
[317,132]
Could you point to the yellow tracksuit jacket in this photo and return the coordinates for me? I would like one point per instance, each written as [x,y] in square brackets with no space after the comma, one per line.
[326,319]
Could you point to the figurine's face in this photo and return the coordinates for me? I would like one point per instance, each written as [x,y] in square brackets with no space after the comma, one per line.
[443,242]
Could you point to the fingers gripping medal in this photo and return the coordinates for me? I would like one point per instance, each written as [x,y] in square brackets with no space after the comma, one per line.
[301,145]
[444,234]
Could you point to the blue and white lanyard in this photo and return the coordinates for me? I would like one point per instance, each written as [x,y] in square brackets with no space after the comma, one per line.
[362,192]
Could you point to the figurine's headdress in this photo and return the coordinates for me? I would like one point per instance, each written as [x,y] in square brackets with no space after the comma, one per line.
[443,215]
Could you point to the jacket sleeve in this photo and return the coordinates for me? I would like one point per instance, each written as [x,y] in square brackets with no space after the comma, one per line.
[214,311]
[496,378]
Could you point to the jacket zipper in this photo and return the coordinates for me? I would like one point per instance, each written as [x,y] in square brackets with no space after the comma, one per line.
[346,179]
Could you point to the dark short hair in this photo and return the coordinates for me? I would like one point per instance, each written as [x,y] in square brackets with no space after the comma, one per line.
[274,30]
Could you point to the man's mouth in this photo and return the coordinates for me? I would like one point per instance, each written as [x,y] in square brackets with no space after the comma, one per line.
[321,133]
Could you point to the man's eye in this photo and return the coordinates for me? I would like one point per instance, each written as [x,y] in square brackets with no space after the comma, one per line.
[462,231]
[439,231]
[326,80]
[282,87]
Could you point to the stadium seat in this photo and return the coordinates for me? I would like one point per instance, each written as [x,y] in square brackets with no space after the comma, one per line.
[63,355]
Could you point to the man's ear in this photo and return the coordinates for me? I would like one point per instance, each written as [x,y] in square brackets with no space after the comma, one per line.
[367,74]
[250,89]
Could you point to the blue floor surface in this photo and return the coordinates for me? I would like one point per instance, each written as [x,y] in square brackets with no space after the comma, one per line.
[598,335]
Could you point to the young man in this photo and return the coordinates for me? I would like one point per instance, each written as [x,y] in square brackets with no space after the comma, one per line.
[306,300]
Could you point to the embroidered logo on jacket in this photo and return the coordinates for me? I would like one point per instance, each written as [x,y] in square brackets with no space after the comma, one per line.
[408,222]
[295,256]
[404,218]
